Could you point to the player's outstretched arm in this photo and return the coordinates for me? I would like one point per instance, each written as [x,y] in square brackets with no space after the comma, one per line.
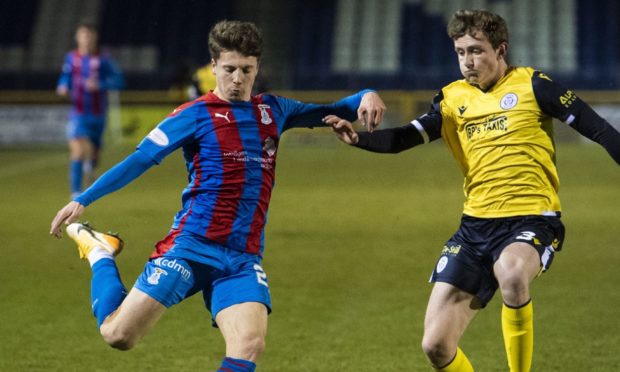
[365,104]
[390,140]
[68,214]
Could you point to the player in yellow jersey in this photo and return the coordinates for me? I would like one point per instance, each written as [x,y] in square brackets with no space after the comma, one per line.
[497,124]
[203,81]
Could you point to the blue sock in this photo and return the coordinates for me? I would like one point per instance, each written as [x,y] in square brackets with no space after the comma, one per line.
[236,365]
[107,290]
[75,176]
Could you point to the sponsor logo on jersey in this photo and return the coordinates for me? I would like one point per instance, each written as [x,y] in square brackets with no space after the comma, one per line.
[462,109]
[493,124]
[218,115]
[158,137]
[244,157]
[452,250]
[441,264]
[264,114]
[568,98]
[509,101]
[174,265]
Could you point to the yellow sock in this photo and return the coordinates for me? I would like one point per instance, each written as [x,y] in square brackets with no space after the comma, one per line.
[518,329]
[460,363]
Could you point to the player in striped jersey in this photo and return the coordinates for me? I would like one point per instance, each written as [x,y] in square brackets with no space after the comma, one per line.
[230,143]
[86,77]
[497,122]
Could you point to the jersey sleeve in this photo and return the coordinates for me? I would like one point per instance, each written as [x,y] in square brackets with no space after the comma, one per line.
[112,78]
[561,103]
[64,80]
[309,115]
[424,129]
[178,129]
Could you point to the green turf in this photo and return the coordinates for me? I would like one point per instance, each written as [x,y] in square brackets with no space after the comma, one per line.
[351,241]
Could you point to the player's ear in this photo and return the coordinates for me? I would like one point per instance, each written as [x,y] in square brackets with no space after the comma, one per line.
[502,50]
[213,66]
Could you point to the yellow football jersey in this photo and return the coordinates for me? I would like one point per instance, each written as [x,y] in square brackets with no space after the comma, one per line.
[205,79]
[504,145]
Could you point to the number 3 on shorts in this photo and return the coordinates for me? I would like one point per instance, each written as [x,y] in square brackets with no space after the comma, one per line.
[261,277]
[527,235]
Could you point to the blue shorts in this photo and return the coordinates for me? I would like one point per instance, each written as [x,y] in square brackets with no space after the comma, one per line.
[232,277]
[468,257]
[91,127]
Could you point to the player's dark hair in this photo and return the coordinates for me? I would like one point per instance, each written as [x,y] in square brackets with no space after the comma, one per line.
[87,24]
[242,37]
[468,22]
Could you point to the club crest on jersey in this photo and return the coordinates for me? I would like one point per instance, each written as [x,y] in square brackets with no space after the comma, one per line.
[270,146]
[154,277]
[94,62]
[509,101]
[264,115]
[441,264]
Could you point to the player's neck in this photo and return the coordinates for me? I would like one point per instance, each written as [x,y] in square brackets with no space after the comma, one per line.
[86,51]
[502,70]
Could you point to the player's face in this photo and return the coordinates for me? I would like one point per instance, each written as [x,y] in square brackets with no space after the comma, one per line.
[234,76]
[480,64]
[86,40]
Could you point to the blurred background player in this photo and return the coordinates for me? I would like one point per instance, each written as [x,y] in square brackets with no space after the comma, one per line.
[86,77]
[230,142]
[203,81]
[497,122]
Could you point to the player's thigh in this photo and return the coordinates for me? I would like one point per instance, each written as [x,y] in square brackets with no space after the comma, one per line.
[246,320]
[449,312]
[248,283]
[80,148]
[135,317]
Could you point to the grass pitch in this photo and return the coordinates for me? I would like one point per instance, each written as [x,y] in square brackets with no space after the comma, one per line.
[351,241]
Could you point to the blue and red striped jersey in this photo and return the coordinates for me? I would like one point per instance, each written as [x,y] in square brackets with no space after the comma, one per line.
[77,69]
[230,149]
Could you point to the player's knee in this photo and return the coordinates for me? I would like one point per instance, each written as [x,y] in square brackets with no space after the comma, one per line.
[437,351]
[513,282]
[118,338]
[250,347]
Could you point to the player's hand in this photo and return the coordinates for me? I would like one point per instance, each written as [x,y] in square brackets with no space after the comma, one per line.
[91,84]
[62,90]
[371,110]
[343,129]
[68,214]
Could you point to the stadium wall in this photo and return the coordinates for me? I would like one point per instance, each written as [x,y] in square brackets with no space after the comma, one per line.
[39,117]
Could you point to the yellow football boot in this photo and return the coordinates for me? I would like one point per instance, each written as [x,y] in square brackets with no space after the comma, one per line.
[87,239]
